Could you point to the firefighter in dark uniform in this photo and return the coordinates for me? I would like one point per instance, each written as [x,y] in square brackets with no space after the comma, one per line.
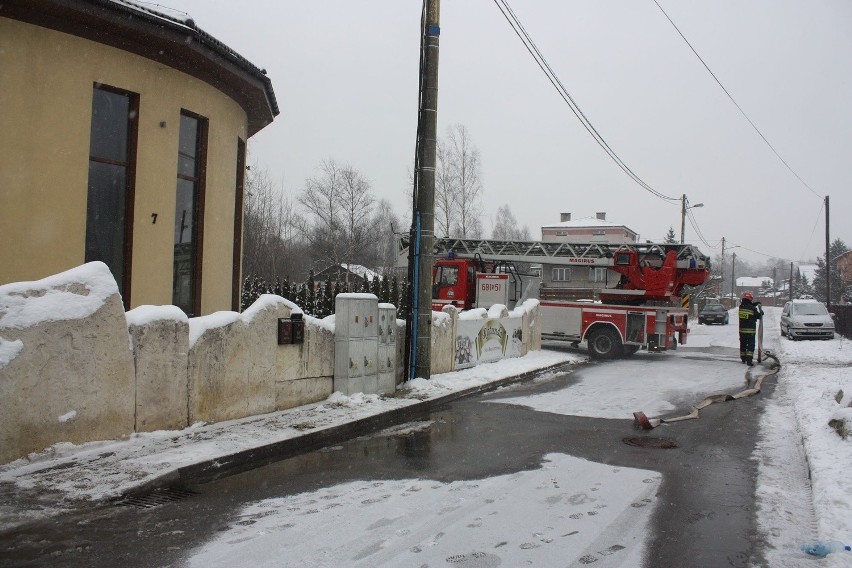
[750,312]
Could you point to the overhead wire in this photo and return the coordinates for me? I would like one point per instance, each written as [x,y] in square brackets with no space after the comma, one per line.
[810,238]
[694,223]
[554,80]
[753,125]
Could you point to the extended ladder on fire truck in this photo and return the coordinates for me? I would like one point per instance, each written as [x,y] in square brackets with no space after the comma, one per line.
[467,275]
[649,271]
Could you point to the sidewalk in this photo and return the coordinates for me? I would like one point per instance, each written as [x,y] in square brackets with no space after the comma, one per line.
[67,476]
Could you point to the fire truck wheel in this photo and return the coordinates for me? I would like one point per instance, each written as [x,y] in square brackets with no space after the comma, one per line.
[604,343]
[629,350]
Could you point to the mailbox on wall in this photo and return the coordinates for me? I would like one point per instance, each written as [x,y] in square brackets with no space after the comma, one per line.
[291,330]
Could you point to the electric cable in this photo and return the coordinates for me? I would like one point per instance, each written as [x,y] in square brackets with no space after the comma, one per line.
[554,80]
[753,125]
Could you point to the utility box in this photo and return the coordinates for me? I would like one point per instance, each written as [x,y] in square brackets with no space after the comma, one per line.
[387,349]
[356,343]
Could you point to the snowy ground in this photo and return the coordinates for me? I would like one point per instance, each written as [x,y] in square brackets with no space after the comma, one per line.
[590,511]
[569,512]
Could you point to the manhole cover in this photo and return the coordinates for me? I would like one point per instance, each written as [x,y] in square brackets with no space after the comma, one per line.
[651,442]
[157,497]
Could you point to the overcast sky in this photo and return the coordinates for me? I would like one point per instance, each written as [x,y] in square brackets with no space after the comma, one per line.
[345,75]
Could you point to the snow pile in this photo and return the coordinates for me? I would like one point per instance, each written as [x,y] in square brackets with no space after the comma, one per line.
[819,374]
[200,325]
[484,374]
[144,315]
[70,295]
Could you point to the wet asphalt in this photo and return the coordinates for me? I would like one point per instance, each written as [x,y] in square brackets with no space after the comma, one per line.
[704,515]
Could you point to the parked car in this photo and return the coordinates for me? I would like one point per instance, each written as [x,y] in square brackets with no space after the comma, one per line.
[713,313]
[803,319]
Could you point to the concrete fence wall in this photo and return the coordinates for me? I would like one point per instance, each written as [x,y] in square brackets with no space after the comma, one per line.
[74,367]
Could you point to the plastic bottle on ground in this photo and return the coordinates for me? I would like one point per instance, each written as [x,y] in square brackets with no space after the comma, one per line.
[824,548]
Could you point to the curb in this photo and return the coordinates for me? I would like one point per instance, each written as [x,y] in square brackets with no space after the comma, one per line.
[224,466]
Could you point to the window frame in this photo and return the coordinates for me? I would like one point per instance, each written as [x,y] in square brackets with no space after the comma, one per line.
[200,185]
[563,270]
[129,165]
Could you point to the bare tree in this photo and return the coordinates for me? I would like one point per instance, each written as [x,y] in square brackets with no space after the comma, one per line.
[356,205]
[464,162]
[338,203]
[383,246]
[446,213]
[323,227]
[506,226]
[271,247]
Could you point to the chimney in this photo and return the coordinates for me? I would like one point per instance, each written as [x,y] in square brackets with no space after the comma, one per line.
[601,215]
[563,217]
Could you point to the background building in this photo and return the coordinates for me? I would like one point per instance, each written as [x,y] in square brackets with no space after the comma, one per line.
[124,139]
[581,282]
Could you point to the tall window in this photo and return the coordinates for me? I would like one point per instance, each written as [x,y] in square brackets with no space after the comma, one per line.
[189,213]
[112,157]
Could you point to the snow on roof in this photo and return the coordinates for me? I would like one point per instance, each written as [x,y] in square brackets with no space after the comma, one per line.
[753,281]
[361,271]
[587,222]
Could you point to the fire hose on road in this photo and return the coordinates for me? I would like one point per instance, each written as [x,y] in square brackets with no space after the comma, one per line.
[642,422]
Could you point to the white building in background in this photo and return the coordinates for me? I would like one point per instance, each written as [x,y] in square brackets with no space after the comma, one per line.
[753,284]
[587,230]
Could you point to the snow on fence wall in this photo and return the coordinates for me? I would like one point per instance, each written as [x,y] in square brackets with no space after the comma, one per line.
[74,367]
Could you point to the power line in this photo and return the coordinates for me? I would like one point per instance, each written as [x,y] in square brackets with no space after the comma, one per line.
[819,217]
[542,63]
[753,125]
[694,223]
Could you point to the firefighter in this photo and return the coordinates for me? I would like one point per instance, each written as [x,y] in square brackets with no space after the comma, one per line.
[750,312]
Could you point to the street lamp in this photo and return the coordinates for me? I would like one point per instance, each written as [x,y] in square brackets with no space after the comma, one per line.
[683,208]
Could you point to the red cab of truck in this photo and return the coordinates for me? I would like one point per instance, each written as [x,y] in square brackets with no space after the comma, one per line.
[453,284]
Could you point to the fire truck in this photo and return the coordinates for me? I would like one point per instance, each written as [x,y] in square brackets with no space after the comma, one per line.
[635,305]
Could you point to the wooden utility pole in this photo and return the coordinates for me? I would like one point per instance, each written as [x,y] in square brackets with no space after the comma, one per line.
[421,243]
[733,280]
[790,287]
[827,261]
[722,272]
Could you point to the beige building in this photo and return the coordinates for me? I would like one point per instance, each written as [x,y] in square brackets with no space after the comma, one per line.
[123,140]
[844,266]
[581,282]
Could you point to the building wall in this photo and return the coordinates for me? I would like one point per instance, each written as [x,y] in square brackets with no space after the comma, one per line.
[588,235]
[46,80]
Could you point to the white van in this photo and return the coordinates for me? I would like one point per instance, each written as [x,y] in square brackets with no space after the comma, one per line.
[806,319]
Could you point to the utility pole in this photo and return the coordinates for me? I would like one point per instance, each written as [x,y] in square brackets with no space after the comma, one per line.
[421,243]
[827,261]
[790,287]
[733,281]
[775,286]
[722,272]
[683,209]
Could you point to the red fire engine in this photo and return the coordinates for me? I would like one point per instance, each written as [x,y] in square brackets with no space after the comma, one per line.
[637,306]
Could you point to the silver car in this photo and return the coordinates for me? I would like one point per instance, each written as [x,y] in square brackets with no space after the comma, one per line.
[806,319]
